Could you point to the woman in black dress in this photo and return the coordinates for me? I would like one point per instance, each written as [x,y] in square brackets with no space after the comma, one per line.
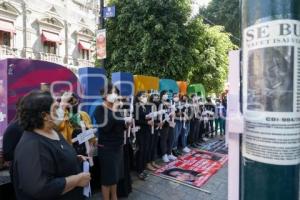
[111,140]
[45,165]
[154,136]
[143,135]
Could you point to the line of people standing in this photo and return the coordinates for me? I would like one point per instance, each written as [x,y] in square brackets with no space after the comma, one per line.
[129,136]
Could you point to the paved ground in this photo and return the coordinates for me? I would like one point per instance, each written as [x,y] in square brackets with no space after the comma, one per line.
[156,188]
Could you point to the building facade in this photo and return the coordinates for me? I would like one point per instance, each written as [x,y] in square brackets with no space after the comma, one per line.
[59,31]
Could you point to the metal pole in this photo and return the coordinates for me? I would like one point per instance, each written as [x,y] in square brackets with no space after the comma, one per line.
[101,25]
[271,100]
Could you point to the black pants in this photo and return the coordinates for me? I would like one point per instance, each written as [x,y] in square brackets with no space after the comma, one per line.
[164,134]
[171,138]
[142,139]
[153,146]
[194,134]
[211,125]
[201,131]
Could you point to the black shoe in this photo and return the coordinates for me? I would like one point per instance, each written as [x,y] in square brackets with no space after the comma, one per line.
[194,145]
[175,153]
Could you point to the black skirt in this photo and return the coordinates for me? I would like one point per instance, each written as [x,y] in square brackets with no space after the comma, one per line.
[111,164]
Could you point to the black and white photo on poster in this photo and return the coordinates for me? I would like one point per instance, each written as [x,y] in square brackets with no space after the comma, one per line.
[270,79]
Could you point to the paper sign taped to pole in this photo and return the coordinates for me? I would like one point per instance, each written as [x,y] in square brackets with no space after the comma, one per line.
[271,86]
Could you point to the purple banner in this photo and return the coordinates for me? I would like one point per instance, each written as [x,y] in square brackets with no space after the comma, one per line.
[3,99]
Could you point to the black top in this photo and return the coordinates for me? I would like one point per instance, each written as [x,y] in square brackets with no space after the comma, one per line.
[41,166]
[141,113]
[11,138]
[179,110]
[163,117]
[112,126]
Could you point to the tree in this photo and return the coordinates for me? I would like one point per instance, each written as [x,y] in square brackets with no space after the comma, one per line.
[158,38]
[225,13]
[210,55]
[149,37]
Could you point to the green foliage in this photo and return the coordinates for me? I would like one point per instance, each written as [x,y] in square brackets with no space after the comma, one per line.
[210,54]
[148,37]
[225,13]
[157,38]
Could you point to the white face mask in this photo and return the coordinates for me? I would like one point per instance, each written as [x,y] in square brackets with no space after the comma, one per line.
[144,100]
[165,97]
[176,99]
[57,122]
[111,98]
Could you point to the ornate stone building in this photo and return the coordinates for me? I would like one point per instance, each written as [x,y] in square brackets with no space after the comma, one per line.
[59,31]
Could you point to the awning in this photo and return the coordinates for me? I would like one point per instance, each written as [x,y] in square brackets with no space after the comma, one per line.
[50,37]
[84,45]
[7,26]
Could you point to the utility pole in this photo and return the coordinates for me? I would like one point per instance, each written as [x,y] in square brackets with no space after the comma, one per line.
[101,25]
[271,100]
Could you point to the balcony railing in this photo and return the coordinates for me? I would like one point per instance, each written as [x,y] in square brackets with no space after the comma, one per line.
[51,58]
[85,63]
[8,52]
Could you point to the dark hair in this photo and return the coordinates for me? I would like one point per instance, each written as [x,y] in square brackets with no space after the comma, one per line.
[152,97]
[169,171]
[138,95]
[162,93]
[18,106]
[181,98]
[32,109]
[107,89]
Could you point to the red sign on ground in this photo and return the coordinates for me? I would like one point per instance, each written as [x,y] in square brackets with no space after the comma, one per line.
[194,168]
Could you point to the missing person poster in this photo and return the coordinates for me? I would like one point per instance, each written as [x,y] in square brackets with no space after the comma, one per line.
[194,168]
[271,85]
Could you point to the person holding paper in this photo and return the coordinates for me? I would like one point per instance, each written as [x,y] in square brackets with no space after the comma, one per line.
[110,140]
[195,121]
[143,135]
[165,134]
[179,124]
[187,115]
[154,137]
[45,165]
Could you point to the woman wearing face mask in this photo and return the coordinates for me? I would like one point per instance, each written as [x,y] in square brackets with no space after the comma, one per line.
[195,121]
[187,115]
[143,135]
[179,122]
[45,165]
[154,136]
[111,139]
[166,136]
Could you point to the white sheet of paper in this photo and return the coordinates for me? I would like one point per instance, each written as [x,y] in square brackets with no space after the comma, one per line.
[86,189]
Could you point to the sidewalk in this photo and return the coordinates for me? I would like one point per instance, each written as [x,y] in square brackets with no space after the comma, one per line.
[156,188]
